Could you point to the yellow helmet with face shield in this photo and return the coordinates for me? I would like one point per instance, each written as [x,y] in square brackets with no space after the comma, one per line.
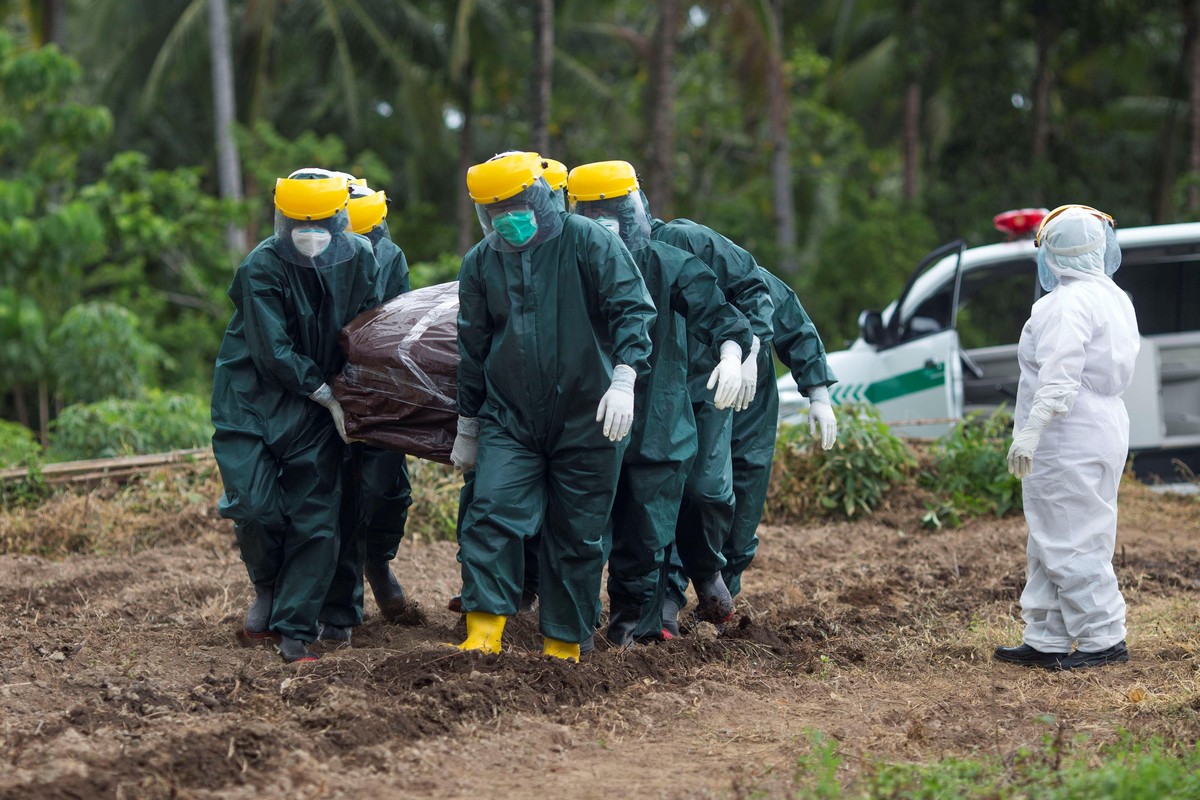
[367,209]
[602,180]
[315,198]
[504,177]
[555,174]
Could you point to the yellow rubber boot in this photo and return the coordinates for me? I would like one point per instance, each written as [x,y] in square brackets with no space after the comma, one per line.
[567,651]
[483,632]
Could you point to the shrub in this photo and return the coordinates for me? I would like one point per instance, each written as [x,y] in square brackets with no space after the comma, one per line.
[969,471]
[849,480]
[18,447]
[98,352]
[156,423]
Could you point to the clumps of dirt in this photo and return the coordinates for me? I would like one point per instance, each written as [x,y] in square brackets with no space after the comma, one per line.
[407,612]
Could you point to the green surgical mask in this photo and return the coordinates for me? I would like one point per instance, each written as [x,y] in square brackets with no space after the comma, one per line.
[517,227]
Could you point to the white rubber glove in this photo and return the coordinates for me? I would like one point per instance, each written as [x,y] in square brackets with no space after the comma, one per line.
[616,407]
[820,413]
[465,452]
[324,396]
[727,377]
[749,377]
[1025,441]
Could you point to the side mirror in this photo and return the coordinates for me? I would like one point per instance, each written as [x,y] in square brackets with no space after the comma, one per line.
[870,327]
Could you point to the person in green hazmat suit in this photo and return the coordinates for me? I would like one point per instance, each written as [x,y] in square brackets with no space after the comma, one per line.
[280,432]
[555,175]
[554,317]
[706,512]
[377,493]
[798,346]
[663,440]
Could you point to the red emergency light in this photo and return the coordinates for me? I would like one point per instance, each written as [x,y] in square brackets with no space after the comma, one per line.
[1019,223]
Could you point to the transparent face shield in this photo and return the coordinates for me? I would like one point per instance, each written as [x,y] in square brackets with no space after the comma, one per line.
[1093,257]
[522,221]
[314,243]
[624,216]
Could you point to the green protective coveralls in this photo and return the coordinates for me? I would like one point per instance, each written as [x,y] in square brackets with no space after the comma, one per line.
[799,347]
[706,512]
[376,500]
[662,442]
[539,332]
[279,453]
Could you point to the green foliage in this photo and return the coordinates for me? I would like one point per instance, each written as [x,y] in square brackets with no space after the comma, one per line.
[863,261]
[442,269]
[155,423]
[18,447]
[969,472]
[849,480]
[1129,768]
[268,156]
[23,341]
[98,351]
[165,260]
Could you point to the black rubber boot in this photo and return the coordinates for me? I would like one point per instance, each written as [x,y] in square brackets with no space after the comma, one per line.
[588,644]
[294,650]
[258,618]
[455,604]
[1081,659]
[622,622]
[333,633]
[670,615]
[714,602]
[1026,656]
[389,594]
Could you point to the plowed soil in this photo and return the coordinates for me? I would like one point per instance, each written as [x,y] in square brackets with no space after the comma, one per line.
[122,675]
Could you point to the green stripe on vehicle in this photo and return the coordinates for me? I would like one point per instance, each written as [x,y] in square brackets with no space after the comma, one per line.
[918,380]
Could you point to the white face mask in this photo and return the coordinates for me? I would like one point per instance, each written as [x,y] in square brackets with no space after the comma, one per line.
[311,241]
[610,223]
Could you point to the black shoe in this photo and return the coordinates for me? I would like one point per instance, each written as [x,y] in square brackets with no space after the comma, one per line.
[294,650]
[259,615]
[455,604]
[670,615]
[1081,659]
[333,633]
[1027,656]
[588,644]
[622,622]
[714,602]
[389,594]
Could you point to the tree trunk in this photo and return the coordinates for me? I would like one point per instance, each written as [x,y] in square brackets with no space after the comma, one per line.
[18,394]
[1191,56]
[912,140]
[44,413]
[661,114]
[468,224]
[229,174]
[54,23]
[781,155]
[543,69]
[1043,76]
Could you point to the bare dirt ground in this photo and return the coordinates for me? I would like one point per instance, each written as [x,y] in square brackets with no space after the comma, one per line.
[122,676]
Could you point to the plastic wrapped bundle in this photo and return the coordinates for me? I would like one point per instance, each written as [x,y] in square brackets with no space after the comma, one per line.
[399,384]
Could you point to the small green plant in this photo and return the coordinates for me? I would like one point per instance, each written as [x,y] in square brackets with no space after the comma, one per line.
[156,423]
[18,447]
[969,472]
[851,479]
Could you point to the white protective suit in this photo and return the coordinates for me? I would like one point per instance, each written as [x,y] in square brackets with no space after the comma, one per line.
[1077,354]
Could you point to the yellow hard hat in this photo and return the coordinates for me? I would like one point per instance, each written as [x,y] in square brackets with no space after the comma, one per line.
[602,180]
[501,178]
[320,198]
[367,211]
[555,174]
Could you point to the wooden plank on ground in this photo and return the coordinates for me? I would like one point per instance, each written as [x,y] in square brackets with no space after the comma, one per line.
[98,468]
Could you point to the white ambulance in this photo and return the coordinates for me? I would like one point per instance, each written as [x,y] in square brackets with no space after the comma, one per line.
[948,345]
